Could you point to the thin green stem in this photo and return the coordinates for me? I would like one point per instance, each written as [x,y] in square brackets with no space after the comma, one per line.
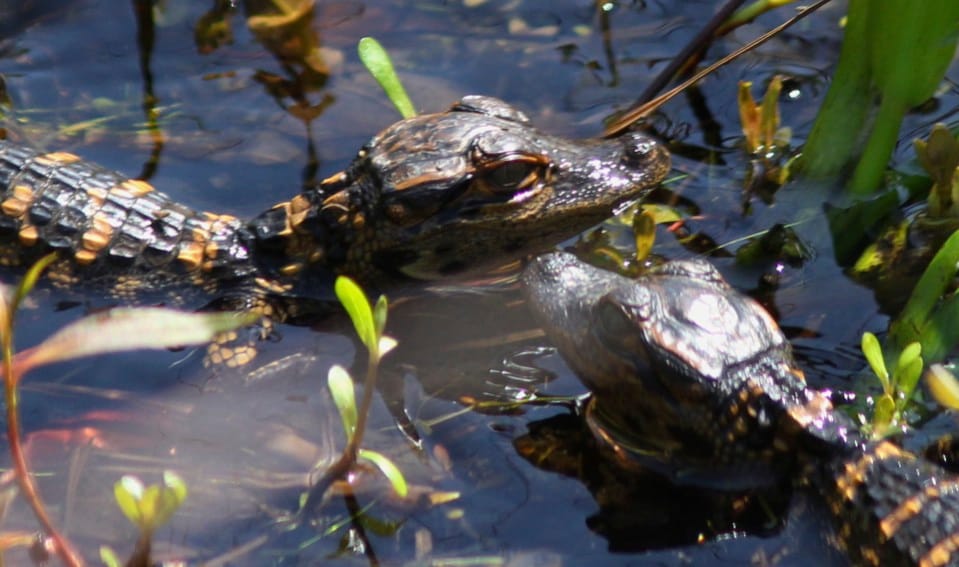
[369,387]
[872,165]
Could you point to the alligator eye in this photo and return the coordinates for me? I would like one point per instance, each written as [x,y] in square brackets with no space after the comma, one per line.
[513,175]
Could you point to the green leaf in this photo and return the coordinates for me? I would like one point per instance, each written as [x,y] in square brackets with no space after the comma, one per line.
[883,416]
[131,328]
[933,283]
[128,492]
[873,353]
[389,470]
[940,334]
[943,385]
[906,381]
[378,63]
[344,398]
[908,355]
[109,557]
[380,312]
[169,498]
[358,308]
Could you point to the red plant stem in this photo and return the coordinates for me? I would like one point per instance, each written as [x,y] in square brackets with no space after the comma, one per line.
[64,549]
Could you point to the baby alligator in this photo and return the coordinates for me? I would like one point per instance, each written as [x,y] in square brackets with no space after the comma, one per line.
[697,381]
[433,196]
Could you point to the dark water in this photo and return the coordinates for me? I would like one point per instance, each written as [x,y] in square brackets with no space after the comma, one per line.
[235,129]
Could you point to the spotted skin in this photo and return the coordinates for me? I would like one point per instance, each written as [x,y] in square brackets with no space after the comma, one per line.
[700,384]
[434,196]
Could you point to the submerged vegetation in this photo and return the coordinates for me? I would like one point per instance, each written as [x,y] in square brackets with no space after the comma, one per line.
[117,330]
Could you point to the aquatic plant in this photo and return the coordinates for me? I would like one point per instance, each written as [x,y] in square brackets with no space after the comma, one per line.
[112,331]
[379,64]
[894,52]
[369,321]
[897,386]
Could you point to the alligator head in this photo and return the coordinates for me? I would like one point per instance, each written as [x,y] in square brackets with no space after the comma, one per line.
[452,193]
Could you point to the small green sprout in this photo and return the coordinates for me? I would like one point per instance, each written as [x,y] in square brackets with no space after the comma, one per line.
[341,388]
[117,330]
[378,63]
[369,321]
[149,507]
[898,387]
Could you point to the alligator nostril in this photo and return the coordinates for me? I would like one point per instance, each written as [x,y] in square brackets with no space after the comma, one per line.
[641,151]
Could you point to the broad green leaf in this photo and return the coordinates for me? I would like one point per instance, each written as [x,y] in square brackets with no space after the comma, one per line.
[389,470]
[344,398]
[907,356]
[378,63]
[940,334]
[131,328]
[128,492]
[906,380]
[148,507]
[943,385]
[938,275]
[169,498]
[176,485]
[873,352]
[882,417]
[358,308]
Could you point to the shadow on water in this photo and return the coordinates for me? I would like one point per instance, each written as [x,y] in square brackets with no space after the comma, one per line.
[232,110]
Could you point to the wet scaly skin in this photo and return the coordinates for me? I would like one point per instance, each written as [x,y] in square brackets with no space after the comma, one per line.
[434,196]
[696,381]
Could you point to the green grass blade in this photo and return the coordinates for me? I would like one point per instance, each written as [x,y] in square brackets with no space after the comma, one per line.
[30,280]
[379,65]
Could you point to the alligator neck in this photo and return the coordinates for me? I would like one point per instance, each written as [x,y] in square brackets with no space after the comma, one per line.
[300,243]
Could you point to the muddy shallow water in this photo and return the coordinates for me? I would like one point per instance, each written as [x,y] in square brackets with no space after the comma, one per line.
[235,128]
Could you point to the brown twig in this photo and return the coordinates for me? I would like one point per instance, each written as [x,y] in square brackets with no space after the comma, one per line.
[638,112]
[697,44]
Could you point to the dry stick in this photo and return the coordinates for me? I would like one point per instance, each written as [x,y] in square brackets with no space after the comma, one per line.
[697,44]
[631,116]
[64,549]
